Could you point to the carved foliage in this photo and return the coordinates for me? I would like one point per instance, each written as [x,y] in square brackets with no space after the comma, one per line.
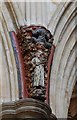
[35,43]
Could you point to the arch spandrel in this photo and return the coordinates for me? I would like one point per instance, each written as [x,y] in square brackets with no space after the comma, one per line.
[62,80]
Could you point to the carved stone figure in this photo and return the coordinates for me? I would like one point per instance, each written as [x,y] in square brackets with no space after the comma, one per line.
[35,43]
[38,76]
[41,35]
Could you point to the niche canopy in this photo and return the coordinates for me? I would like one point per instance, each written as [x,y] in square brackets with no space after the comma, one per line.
[35,43]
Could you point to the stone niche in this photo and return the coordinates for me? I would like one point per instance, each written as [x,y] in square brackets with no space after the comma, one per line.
[26,108]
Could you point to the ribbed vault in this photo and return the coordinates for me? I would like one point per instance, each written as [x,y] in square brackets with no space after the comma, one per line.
[63,71]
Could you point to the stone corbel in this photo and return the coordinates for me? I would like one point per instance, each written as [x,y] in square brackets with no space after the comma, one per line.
[26,108]
[35,43]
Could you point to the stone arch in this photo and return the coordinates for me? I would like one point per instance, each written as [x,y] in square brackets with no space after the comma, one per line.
[62,26]
[63,70]
[10,20]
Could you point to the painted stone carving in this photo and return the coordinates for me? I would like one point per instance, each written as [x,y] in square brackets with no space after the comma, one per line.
[35,43]
[41,35]
[38,75]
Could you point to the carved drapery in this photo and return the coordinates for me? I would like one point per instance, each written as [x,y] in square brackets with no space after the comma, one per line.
[35,44]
